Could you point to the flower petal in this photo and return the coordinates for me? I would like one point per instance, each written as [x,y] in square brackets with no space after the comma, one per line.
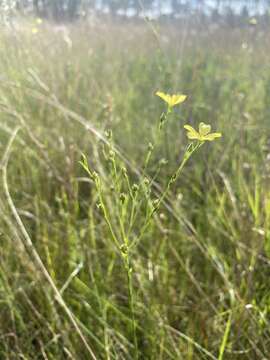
[178,99]
[189,128]
[204,129]
[163,96]
[192,133]
[211,137]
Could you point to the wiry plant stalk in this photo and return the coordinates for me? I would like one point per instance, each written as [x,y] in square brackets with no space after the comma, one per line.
[128,267]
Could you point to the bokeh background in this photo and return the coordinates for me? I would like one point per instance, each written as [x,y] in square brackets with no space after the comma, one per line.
[80,77]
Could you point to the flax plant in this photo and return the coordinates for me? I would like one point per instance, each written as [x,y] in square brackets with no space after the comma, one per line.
[134,198]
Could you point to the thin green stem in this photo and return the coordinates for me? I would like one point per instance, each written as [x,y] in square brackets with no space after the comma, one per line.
[188,153]
[129,270]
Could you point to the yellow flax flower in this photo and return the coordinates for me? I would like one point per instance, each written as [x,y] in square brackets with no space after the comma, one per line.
[171,100]
[253,21]
[203,134]
[34,30]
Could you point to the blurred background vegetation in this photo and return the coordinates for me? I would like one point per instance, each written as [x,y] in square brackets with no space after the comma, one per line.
[201,269]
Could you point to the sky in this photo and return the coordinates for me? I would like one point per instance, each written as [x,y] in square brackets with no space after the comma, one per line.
[209,6]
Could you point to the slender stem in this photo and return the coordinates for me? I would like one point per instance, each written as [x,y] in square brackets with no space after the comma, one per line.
[131,303]
[189,151]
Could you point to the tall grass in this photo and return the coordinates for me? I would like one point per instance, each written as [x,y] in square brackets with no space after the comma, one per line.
[195,286]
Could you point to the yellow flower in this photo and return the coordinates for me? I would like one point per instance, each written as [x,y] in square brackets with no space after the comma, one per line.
[34,31]
[253,21]
[203,134]
[39,21]
[171,100]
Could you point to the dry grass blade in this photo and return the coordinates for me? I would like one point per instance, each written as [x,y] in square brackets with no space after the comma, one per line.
[29,245]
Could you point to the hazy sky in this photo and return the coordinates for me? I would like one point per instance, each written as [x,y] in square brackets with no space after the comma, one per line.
[211,4]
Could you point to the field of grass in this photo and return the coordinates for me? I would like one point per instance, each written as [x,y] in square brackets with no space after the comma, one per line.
[108,264]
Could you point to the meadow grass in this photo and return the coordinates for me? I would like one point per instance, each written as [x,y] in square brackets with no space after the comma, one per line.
[106,263]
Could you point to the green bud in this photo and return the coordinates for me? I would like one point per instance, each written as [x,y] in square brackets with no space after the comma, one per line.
[111,154]
[95,175]
[155,202]
[124,249]
[150,146]
[99,206]
[108,134]
[162,118]
[173,178]
[135,188]
[112,188]
[163,162]
[146,181]
[122,197]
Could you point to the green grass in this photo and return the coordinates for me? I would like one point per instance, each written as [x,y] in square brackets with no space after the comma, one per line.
[80,272]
